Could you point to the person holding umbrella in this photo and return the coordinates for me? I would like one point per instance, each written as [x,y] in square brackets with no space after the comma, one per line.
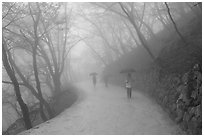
[128,81]
[128,85]
[94,78]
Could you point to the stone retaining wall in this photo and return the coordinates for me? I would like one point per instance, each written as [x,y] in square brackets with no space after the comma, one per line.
[179,95]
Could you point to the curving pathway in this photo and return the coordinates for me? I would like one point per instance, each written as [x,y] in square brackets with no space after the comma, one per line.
[107,111]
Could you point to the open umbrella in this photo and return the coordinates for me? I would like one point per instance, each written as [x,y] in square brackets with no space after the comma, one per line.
[93,74]
[128,70]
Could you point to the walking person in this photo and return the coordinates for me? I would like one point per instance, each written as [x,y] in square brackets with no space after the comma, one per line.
[94,80]
[129,80]
[128,85]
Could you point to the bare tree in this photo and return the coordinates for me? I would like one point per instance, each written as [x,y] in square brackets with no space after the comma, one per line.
[14,80]
[178,32]
[159,16]
[13,15]
[24,37]
[36,19]
[130,16]
[57,52]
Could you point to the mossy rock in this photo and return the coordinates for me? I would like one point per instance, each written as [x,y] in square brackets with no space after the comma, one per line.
[193,126]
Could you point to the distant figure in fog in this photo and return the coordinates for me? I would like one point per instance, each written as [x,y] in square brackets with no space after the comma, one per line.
[94,78]
[128,85]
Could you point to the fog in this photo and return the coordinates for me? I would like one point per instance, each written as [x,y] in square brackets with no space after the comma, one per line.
[49,48]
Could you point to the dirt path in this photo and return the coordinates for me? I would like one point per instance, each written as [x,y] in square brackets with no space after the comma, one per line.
[106,111]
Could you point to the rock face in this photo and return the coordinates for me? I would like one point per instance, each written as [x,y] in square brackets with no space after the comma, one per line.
[179,95]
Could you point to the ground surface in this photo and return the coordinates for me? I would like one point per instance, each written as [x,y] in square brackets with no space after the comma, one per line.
[105,111]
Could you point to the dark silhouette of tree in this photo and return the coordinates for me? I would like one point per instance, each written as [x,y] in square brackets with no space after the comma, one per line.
[33,50]
[56,54]
[14,80]
[141,37]
[34,53]
[178,32]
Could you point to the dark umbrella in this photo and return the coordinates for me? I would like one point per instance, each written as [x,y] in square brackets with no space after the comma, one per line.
[93,73]
[129,70]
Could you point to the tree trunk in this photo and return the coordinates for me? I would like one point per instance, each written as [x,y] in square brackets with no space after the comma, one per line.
[11,75]
[42,114]
[35,68]
[49,109]
[33,91]
[57,83]
[49,83]
[38,86]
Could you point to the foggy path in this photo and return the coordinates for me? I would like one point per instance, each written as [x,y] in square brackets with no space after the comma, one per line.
[108,111]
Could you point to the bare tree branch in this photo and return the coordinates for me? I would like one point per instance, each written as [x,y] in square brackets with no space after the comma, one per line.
[9,82]
[141,37]
[8,11]
[98,55]
[180,35]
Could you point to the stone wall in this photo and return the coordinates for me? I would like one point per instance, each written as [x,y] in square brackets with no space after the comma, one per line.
[179,95]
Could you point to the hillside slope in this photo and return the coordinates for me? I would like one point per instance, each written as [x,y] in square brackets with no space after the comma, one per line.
[177,57]
[174,79]
[172,54]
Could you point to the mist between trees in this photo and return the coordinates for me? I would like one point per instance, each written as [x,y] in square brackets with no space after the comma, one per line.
[47,45]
